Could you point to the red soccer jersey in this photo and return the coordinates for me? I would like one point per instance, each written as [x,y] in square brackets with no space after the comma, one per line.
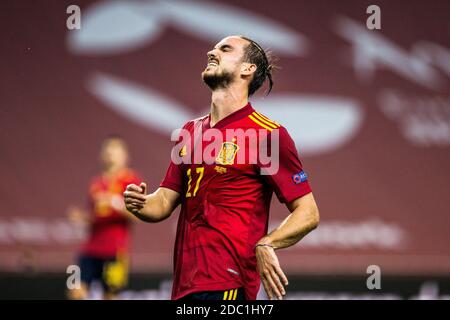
[225,204]
[109,234]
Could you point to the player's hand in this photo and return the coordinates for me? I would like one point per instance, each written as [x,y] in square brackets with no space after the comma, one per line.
[269,269]
[135,197]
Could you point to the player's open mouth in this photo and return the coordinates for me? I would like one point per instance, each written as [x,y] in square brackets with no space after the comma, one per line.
[213,63]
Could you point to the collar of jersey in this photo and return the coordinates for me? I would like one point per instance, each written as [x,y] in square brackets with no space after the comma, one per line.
[235,116]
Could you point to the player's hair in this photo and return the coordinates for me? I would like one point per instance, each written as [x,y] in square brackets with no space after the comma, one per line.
[265,64]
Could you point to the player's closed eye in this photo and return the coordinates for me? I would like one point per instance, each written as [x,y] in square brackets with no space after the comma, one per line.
[226,48]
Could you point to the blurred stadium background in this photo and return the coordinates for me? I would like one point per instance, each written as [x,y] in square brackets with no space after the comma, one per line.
[369,111]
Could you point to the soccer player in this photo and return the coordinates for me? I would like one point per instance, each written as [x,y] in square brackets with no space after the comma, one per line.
[104,257]
[222,249]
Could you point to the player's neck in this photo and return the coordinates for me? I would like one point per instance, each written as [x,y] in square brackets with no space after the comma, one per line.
[225,101]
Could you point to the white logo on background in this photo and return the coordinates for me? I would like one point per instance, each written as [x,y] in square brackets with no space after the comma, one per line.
[112,27]
[422,120]
[372,51]
[345,235]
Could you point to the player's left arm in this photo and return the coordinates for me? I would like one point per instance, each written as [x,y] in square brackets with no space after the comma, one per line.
[303,219]
[295,191]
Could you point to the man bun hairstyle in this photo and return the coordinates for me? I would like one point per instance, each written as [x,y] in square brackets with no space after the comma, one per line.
[264,62]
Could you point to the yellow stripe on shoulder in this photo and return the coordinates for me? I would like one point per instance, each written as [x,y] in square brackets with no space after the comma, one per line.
[259,123]
[267,119]
[266,122]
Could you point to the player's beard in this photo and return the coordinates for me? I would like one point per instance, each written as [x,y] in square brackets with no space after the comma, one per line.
[217,80]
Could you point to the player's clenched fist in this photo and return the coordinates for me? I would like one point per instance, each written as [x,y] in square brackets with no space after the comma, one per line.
[135,197]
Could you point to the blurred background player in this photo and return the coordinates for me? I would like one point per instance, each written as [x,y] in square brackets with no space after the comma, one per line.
[104,256]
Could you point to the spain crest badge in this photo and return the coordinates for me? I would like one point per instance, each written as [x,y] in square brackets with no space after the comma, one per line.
[227,153]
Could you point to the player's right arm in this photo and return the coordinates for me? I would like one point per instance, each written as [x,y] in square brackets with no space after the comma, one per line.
[160,204]
[153,207]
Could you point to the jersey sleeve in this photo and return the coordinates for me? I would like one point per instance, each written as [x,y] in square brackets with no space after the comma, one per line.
[289,181]
[174,175]
[174,178]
